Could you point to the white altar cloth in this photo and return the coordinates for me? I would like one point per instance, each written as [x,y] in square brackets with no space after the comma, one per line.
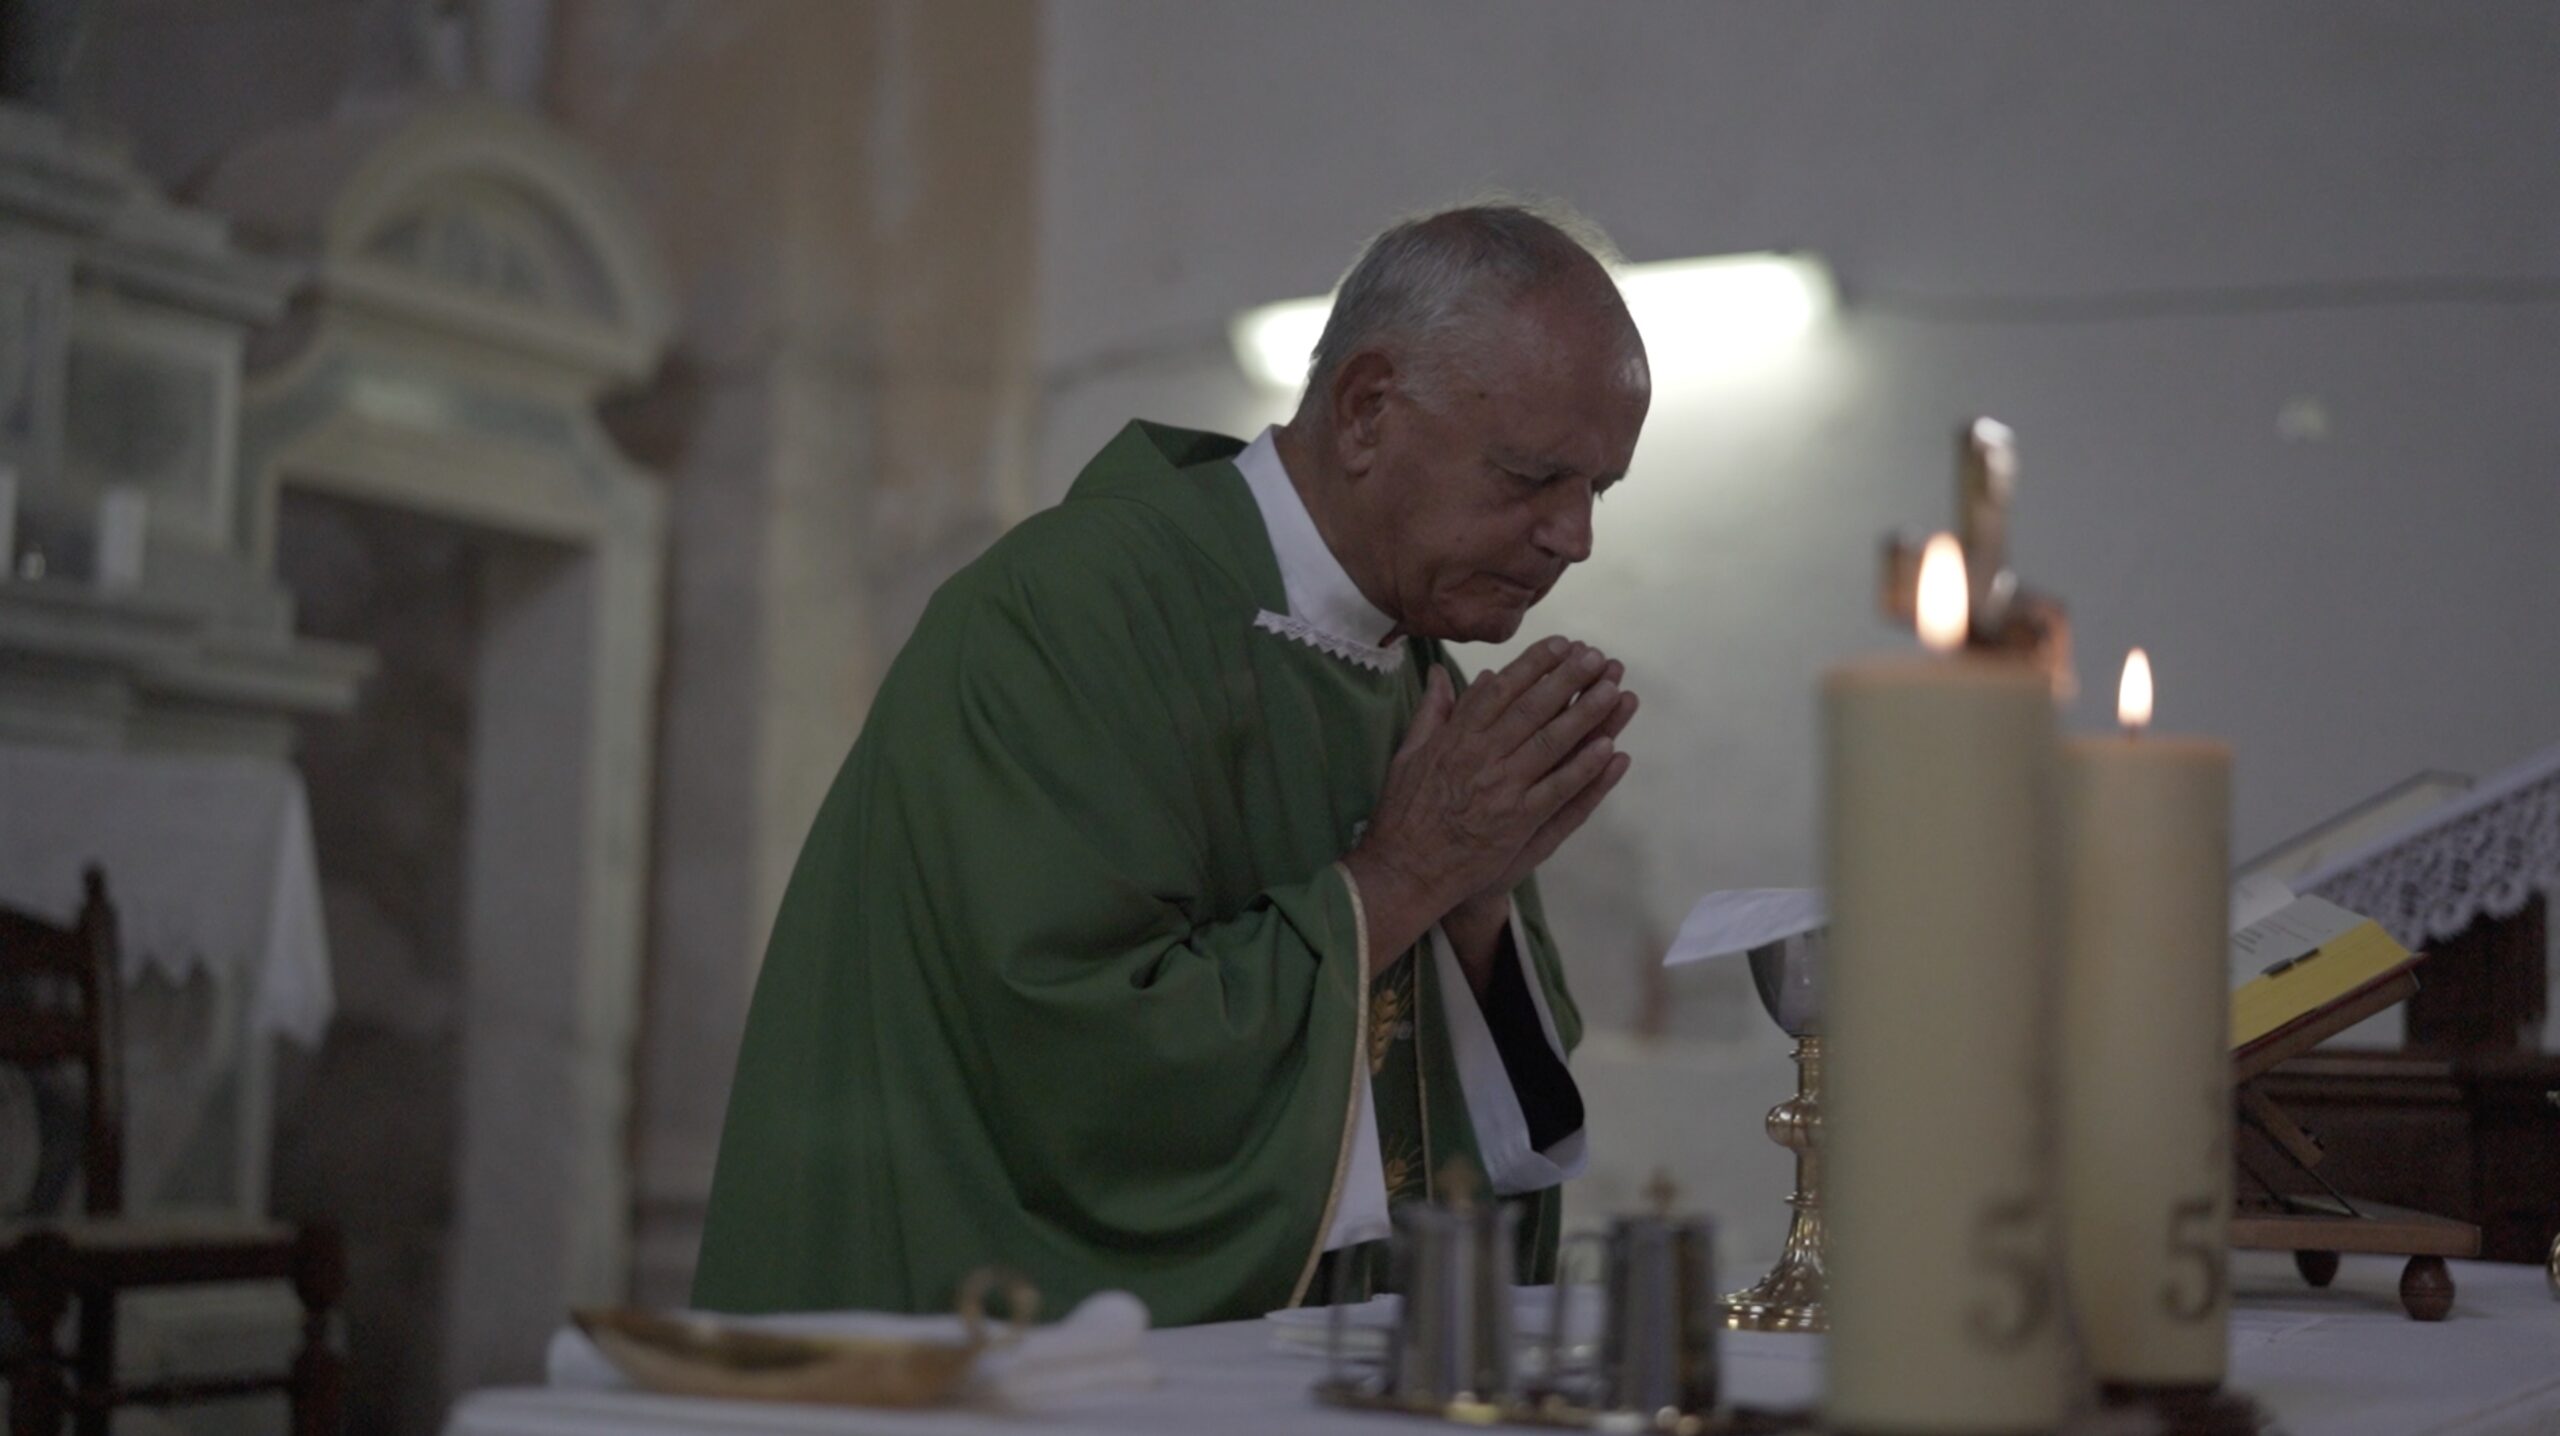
[2341,1362]
[208,860]
[216,886]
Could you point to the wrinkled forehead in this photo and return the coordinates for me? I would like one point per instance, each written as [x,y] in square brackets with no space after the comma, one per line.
[1574,339]
[1563,383]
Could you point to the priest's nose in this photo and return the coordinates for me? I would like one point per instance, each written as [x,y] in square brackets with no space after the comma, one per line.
[1564,530]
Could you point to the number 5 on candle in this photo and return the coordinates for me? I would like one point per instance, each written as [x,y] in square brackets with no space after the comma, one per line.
[2012,1245]
[2193,1242]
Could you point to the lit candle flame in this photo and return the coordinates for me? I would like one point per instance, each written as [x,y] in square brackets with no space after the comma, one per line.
[1945,610]
[2133,696]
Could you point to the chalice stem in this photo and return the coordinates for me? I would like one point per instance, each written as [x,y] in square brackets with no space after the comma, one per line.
[1789,1298]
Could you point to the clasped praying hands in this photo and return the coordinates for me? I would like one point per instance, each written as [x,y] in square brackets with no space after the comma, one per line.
[1486,785]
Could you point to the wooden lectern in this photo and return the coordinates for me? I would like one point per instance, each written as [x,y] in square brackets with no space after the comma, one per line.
[2283,1200]
[2463,1118]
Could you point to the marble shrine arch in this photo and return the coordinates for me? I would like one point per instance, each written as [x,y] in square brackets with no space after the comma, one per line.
[474,284]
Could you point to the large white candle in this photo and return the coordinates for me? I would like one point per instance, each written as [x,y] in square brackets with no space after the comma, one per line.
[1945,1301]
[2146,1070]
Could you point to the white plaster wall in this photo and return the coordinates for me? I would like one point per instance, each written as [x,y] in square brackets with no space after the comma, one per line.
[2345,609]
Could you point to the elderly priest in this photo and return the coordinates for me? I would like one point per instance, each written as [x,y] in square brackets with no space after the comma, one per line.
[1172,916]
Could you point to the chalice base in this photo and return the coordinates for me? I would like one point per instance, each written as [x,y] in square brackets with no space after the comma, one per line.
[1789,1298]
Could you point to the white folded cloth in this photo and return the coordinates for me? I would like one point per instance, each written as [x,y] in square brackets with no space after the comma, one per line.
[1099,1345]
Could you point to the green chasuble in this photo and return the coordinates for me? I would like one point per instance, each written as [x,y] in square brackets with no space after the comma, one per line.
[1067,977]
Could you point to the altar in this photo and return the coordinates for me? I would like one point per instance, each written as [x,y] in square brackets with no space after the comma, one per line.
[210,864]
[2341,1362]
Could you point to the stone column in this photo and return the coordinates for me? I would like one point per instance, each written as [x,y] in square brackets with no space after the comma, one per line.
[846,191]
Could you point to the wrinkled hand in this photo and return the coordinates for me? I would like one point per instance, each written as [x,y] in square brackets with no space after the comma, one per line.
[1619,709]
[1487,785]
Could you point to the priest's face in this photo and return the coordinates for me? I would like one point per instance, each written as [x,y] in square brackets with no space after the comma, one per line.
[1481,483]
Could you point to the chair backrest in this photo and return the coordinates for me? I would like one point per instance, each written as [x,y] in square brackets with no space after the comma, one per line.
[58,1006]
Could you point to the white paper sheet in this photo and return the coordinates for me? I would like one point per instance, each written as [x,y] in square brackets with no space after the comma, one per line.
[1739,920]
[2254,900]
[2300,928]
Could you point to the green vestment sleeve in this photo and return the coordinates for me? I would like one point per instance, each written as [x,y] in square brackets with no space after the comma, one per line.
[1065,978]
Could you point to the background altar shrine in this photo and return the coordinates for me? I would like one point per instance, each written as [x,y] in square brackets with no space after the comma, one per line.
[363,751]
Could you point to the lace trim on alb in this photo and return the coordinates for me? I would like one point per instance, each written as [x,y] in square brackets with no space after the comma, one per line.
[1382,660]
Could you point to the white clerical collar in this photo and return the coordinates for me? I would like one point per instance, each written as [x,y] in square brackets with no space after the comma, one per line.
[1326,609]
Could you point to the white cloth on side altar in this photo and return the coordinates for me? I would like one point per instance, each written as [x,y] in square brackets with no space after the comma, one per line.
[1101,1345]
[208,859]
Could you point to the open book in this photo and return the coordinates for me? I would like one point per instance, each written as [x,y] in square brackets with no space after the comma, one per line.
[2300,960]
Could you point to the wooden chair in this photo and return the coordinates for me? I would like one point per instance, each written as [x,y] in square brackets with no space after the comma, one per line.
[58,993]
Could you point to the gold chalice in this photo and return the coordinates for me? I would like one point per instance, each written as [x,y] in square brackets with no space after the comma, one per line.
[1788,974]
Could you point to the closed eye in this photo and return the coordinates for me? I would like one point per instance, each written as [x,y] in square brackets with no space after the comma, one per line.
[1536,479]
[1599,490]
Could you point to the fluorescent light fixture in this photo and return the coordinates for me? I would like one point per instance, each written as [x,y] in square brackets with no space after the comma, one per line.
[1699,317]
[1702,317]
[1273,342]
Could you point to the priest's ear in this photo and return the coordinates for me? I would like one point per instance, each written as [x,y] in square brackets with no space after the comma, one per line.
[1356,402]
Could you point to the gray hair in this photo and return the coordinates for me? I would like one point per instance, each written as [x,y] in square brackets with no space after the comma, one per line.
[1437,278]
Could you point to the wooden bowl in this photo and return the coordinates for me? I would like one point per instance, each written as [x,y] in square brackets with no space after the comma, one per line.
[701,1356]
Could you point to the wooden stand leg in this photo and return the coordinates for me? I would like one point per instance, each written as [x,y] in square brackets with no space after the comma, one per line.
[319,1374]
[2426,1289]
[35,1273]
[2317,1268]
[95,1362]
